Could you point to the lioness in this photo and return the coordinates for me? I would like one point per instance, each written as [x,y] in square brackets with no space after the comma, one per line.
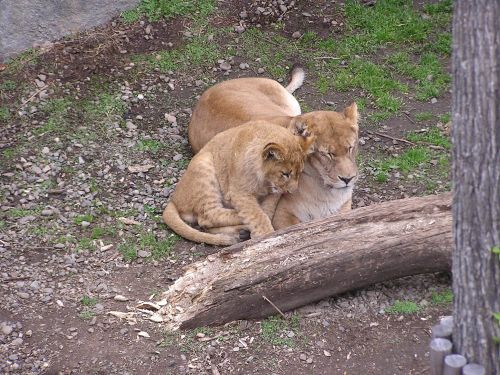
[236,179]
[325,186]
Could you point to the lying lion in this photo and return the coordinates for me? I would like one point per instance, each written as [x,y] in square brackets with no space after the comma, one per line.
[236,180]
[325,186]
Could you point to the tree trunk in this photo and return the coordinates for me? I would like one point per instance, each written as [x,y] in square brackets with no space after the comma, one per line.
[476,176]
[311,261]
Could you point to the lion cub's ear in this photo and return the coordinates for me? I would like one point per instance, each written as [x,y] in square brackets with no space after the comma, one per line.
[273,151]
[351,113]
[307,143]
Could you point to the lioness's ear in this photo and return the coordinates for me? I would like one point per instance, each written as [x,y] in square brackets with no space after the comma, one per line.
[299,127]
[351,113]
[273,151]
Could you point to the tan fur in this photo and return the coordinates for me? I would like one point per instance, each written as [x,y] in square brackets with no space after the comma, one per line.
[231,175]
[322,192]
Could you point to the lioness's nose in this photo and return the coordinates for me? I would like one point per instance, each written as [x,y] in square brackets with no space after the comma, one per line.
[346,179]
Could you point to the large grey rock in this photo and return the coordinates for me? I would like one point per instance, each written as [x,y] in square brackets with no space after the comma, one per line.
[24,23]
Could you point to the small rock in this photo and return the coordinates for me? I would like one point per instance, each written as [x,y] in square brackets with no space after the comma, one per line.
[225,66]
[260,70]
[85,224]
[170,118]
[243,15]
[47,212]
[42,77]
[306,14]
[148,29]
[120,298]
[140,96]
[45,150]
[177,157]
[327,353]
[17,342]
[24,295]
[239,29]
[6,329]
[296,35]
[143,254]
[303,357]
[309,360]
[434,100]
[130,125]
[244,66]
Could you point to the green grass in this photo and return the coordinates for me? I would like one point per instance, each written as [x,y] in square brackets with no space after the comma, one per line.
[128,251]
[4,114]
[408,161]
[86,314]
[445,118]
[131,15]
[8,85]
[81,218]
[423,116]
[275,330]
[403,307]
[445,297]
[157,9]
[150,145]
[20,212]
[101,232]
[88,301]
[158,248]
[198,52]
[105,107]
[56,111]
[29,57]
[433,136]
[85,244]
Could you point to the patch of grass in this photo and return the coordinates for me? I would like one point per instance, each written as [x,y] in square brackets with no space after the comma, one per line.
[56,110]
[8,85]
[130,15]
[273,50]
[445,118]
[158,248]
[198,52]
[4,114]
[3,224]
[433,136]
[20,212]
[403,307]
[379,116]
[80,218]
[406,162]
[29,57]
[157,9]
[275,330]
[445,297]
[105,107]
[150,145]
[85,244]
[442,44]
[88,301]
[128,251]
[423,116]
[9,153]
[101,232]
[322,84]
[86,314]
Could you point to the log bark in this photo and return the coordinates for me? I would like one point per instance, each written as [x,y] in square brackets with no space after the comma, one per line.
[476,180]
[310,261]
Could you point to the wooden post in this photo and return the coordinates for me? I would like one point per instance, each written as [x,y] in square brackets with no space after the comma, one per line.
[442,331]
[473,369]
[453,364]
[440,348]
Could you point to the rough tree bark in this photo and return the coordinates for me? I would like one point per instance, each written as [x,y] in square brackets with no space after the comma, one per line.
[311,261]
[476,177]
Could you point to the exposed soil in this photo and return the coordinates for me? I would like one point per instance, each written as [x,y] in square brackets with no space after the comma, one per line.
[51,177]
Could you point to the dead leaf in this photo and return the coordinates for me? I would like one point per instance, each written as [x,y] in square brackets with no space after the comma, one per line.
[157,318]
[129,316]
[144,334]
[128,221]
[140,168]
[150,306]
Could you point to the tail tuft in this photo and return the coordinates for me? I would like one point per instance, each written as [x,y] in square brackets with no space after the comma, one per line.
[298,74]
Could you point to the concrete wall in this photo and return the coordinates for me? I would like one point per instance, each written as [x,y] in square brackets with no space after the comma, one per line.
[25,22]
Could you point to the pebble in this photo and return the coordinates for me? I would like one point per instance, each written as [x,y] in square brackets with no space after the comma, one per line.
[244,66]
[303,357]
[177,157]
[434,100]
[6,329]
[47,212]
[260,70]
[296,35]
[130,125]
[17,342]
[225,66]
[170,118]
[85,224]
[143,254]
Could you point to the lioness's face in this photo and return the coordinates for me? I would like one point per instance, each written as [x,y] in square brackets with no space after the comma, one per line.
[336,146]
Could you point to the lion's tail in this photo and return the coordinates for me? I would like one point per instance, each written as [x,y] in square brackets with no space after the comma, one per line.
[298,74]
[172,218]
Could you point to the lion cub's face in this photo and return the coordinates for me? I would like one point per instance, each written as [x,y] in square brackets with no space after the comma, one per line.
[283,164]
[335,149]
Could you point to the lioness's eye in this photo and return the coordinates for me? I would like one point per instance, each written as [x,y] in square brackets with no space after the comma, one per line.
[285,174]
[350,149]
[331,155]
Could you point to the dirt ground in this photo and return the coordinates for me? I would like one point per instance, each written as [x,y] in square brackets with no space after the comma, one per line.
[76,116]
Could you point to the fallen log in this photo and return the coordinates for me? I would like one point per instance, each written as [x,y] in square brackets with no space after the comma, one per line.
[310,261]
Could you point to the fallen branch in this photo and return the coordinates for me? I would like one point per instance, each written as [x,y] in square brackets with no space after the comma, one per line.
[311,261]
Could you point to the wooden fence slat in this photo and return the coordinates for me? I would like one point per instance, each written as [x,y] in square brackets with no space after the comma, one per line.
[440,348]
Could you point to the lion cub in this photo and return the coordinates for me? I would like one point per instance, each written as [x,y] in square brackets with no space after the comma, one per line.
[230,176]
